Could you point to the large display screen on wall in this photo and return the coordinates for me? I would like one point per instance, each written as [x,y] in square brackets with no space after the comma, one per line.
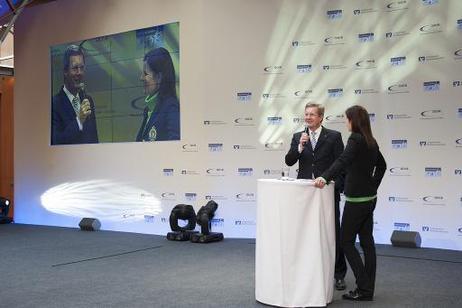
[117,88]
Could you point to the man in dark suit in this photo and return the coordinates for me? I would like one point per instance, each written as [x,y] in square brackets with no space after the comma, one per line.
[73,111]
[315,149]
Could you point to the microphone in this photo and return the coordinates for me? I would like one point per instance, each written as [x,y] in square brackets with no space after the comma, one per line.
[306,132]
[82,94]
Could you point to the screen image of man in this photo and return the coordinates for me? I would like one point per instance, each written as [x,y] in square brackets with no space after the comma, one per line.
[315,149]
[73,111]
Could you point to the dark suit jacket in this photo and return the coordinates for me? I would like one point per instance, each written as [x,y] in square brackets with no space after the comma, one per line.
[64,126]
[164,123]
[328,148]
[364,167]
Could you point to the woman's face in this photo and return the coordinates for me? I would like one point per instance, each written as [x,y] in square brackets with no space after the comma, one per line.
[151,80]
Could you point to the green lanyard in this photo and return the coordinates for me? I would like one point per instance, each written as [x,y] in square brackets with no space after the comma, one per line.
[151,101]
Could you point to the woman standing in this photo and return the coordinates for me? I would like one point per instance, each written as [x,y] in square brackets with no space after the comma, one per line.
[161,119]
[365,167]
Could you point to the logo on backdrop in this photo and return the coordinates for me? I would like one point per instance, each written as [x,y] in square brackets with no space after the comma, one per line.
[395,199]
[246,197]
[433,200]
[302,43]
[274,69]
[242,223]
[213,122]
[460,231]
[245,121]
[299,94]
[215,172]
[434,229]
[328,67]
[243,96]
[398,61]
[402,226]
[168,172]
[428,58]
[238,147]
[335,93]
[357,12]
[334,40]
[398,88]
[398,116]
[271,96]
[334,119]
[190,196]
[298,120]
[431,143]
[215,197]
[366,91]
[456,83]
[397,6]
[458,54]
[218,222]
[396,34]
[215,147]
[372,117]
[274,146]
[399,144]
[433,171]
[268,172]
[245,171]
[334,14]
[459,24]
[304,68]
[274,120]
[458,142]
[431,114]
[189,172]
[458,172]
[148,218]
[459,112]
[366,37]
[431,86]
[190,147]
[430,2]
[365,64]
[430,28]
[399,171]
[168,196]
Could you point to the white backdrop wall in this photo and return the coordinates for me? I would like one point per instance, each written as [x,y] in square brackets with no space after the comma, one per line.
[247,69]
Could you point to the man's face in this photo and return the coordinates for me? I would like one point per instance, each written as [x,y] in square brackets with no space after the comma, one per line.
[312,118]
[73,76]
[151,80]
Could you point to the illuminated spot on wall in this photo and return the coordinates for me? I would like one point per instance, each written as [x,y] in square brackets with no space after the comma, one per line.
[102,199]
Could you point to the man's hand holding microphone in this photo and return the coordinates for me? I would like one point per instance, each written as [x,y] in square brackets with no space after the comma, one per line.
[85,109]
[304,138]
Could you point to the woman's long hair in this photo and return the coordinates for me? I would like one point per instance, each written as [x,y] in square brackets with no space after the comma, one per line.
[360,123]
[159,61]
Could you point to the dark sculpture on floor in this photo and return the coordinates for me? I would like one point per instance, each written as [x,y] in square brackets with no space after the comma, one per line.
[204,219]
[183,212]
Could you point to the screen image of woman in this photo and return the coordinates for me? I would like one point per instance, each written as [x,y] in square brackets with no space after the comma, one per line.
[161,115]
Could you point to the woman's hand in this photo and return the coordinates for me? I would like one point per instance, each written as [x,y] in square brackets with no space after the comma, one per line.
[319,182]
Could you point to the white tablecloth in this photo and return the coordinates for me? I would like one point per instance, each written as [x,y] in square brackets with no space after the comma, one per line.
[295,243]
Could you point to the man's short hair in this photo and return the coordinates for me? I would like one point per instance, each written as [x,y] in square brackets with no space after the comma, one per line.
[319,107]
[72,50]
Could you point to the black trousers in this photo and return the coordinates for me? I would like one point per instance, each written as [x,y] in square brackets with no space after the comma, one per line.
[340,263]
[358,220]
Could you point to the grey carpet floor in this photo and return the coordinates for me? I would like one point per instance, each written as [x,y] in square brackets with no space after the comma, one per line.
[64,267]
